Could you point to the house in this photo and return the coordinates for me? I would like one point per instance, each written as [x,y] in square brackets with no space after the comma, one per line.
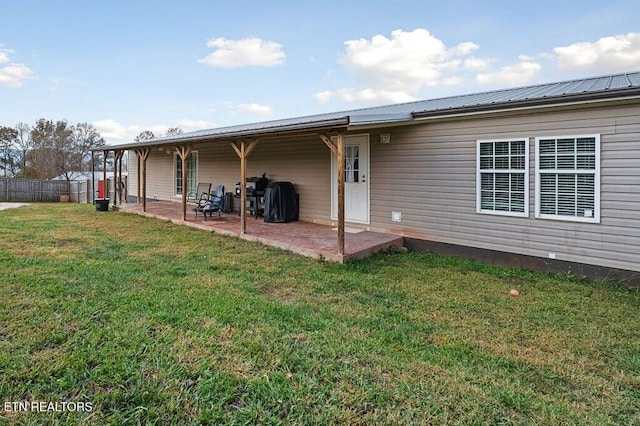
[545,177]
[86,176]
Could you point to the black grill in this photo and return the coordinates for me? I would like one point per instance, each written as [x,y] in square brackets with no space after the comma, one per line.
[255,186]
[281,203]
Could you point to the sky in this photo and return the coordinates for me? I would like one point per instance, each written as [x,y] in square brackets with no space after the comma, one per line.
[134,65]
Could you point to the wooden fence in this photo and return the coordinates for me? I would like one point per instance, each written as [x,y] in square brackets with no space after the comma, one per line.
[80,191]
[53,191]
[31,190]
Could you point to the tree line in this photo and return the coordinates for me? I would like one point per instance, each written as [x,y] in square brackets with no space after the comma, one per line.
[48,149]
[51,149]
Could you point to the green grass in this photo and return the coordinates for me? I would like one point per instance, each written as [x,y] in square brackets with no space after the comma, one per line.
[155,323]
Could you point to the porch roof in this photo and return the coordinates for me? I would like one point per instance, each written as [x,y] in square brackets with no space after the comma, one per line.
[615,86]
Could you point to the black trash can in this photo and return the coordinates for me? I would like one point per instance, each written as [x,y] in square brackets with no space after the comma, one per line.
[228,202]
[102,204]
[280,203]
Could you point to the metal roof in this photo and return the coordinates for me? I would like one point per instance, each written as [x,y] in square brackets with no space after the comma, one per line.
[587,89]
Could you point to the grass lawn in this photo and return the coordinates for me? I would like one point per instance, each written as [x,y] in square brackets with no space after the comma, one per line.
[155,323]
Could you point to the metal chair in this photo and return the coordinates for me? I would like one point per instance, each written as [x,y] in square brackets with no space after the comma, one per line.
[202,189]
[211,203]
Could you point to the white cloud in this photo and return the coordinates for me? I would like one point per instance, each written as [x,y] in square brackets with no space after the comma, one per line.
[392,70]
[4,55]
[405,62]
[190,125]
[255,109]
[245,52]
[368,96]
[475,64]
[115,133]
[324,97]
[452,81]
[397,68]
[159,130]
[13,75]
[606,55]
[516,75]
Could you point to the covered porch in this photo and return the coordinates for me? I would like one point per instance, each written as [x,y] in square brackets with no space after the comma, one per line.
[304,238]
[310,153]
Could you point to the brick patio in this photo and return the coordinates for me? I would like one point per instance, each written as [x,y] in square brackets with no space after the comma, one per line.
[308,239]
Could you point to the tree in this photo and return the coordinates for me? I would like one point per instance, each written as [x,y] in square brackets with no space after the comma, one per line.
[49,142]
[60,149]
[23,144]
[145,136]
[174,131]
[84,138]
[8,136]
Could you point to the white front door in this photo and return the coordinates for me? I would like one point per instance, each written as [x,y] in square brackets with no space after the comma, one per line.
[356,180]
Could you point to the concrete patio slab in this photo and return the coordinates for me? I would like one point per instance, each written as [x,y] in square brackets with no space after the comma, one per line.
[304,238]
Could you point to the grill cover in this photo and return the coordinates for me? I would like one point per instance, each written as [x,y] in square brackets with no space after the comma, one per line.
[280,203]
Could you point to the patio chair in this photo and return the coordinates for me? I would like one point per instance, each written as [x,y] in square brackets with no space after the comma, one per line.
[202,190]
[211,203]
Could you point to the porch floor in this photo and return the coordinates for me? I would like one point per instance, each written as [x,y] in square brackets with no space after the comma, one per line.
[308,239]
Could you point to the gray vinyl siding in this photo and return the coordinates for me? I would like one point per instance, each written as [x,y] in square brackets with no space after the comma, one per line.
[428,173]
[160,175]
[303,161]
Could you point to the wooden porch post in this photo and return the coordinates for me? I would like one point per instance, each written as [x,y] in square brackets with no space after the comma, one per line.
[138,179]
[337,149]
[243,152]
[117,176]
[142,154]
[93,180]
[121,154]
[105,184]
[183,152]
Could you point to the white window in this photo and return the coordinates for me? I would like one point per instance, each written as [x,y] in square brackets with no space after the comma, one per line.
[192,173]
[568,178]
[502,181]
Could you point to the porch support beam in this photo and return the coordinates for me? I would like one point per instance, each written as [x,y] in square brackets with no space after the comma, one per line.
[120,180]
[143,154]
[138,177]
[183,153]
[243,150]
[117,176]
[337,149]
[105,183]
[93,179]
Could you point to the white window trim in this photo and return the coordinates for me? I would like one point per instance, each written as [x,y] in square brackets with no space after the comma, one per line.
[596,184]
[479,178]
[175,171]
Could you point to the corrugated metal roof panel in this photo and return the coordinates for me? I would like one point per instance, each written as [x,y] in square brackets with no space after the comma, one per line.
[548,92]
[634,79]
[601,84]
[595,86]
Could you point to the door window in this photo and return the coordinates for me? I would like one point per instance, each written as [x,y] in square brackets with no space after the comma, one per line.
[351,163]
